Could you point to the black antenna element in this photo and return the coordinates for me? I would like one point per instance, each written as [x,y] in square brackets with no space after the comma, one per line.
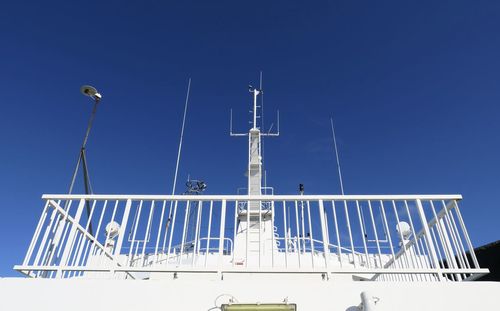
[194,187]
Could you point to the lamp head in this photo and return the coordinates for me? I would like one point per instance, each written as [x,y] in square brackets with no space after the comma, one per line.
[90,91]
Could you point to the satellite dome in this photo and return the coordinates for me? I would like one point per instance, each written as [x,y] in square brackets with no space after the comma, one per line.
[404,229]
[112,229]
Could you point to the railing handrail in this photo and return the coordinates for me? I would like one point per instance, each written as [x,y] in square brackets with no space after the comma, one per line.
[253,197]
[308,240]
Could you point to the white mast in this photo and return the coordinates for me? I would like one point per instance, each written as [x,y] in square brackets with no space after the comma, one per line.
[254,153]
[255,135]
[256,93]
[252,238]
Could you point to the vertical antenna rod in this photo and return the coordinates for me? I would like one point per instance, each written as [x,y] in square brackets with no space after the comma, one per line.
[263,128]
[178,155]
[261,103]
[337,157]
[181,138]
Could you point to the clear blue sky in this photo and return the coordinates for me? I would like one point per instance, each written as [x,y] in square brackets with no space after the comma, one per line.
[414,88]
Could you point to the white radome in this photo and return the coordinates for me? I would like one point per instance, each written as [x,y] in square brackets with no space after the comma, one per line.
[404,229]
[112,229]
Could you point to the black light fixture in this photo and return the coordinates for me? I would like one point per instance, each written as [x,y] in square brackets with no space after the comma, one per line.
[91,92]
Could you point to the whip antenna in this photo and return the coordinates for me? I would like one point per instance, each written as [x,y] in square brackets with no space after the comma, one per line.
[340,179]
[263,128]
[182,137]
[179,153]
[337,157]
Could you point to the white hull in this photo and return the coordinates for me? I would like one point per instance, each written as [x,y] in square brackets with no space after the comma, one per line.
[200,292]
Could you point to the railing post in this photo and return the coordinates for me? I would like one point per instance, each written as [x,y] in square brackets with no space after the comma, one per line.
[427,233]
[221,234]
[71,237]
[36,234]
[466,235]
[123,226]
[326,238]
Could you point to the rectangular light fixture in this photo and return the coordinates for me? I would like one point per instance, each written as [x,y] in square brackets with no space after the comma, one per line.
[259,307]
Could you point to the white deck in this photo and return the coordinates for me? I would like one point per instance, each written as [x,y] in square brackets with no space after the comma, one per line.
[206,292]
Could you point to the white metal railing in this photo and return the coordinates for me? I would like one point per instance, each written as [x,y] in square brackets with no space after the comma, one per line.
[131,236]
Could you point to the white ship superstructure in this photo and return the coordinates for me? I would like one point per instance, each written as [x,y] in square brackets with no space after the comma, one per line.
[253,251]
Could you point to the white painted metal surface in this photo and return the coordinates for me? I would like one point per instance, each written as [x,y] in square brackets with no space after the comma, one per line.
[336,235]
[197,252]
[200,292]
